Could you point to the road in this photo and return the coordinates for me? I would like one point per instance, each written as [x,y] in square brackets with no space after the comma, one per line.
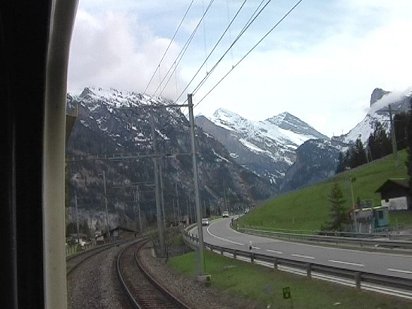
[219,233]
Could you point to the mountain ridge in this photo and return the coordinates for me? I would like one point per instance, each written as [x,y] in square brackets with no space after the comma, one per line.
[265,147]
[113,134]
[270,147]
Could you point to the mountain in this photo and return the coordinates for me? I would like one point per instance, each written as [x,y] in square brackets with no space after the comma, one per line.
[287,151]
[317,160]
[378,111]
[113,134]
[268,148]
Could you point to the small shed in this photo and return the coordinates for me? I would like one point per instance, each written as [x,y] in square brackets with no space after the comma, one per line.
[121,232]
[371,219]
[395,194]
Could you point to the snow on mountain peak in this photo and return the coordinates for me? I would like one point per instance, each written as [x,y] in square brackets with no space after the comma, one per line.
[379,111]
[283,129]
[389,98]
[118,98]
[230,120]
[278,119]
[289,122]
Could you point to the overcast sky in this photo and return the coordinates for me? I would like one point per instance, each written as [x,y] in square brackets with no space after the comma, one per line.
[320,64]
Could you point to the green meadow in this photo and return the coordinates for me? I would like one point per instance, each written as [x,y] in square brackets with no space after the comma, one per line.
[255,286]
[307,209]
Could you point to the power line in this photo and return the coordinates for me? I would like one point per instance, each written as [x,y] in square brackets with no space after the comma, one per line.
[213,49]
[182,52]
[259,9]
[251,20]
[170,43]
[248,53]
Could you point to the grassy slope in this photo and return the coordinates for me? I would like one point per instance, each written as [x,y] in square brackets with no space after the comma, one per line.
[308,208]
[258,283]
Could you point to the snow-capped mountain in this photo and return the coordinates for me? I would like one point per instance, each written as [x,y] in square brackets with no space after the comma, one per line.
[378,111]
[289,152]
[267,147]
[113,133]
[317,159]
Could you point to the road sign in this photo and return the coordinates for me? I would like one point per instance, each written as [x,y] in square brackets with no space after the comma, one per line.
[286,293]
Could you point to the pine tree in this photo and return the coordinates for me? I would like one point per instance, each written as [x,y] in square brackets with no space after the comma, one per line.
[341,164]
[358,156]
[401,126]
[337,212]
[379,143]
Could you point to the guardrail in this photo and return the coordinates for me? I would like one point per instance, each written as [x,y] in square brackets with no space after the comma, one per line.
[362,242]
[358,277]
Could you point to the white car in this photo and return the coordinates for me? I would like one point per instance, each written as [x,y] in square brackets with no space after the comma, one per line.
[205,221]
[225,214]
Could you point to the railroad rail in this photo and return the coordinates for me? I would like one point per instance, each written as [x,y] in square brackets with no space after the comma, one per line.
[143,290]
[73,261]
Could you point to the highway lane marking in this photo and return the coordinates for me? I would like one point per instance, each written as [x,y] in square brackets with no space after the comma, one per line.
[347,263]
[223,239]
[400,271]
[326,248]
[274,251]
[303,256]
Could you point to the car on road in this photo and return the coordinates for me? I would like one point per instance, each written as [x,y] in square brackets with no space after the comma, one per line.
[205,221]
[225,214]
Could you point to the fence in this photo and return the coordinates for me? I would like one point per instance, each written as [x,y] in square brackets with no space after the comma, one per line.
[402,285]
[359,240]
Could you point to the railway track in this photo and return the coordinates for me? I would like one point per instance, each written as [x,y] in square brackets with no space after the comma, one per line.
[142,289]
[75,261]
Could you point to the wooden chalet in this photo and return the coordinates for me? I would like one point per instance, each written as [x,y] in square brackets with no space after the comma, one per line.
[395,194]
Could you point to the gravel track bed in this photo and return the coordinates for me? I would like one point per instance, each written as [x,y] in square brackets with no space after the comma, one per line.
[194,293]
[94,284]
[141,289]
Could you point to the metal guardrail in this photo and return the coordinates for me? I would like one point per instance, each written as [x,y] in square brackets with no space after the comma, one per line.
[362,242]
[358,277]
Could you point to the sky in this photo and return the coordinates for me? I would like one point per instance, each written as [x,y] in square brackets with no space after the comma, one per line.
[321,63]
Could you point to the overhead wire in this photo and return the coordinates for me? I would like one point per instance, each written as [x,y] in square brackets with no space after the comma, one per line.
[170,43]
[230,33]
[182,52]
[250,21]
[250,50]
[259,9]
[212,50]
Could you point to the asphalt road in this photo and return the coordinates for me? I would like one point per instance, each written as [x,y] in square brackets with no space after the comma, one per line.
[219,233]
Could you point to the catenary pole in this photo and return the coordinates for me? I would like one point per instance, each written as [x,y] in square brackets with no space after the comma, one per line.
[156,181]
[105,205]
[77,217]
[200,247]
[393,137]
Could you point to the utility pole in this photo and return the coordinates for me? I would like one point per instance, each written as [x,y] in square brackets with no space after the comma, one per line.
[162,199]
[177,202]
[77,216]
[224,196]
[156,181]
[105,204]
[200,247]
[393,135]
[189,210]
[137,199]
[353,203]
